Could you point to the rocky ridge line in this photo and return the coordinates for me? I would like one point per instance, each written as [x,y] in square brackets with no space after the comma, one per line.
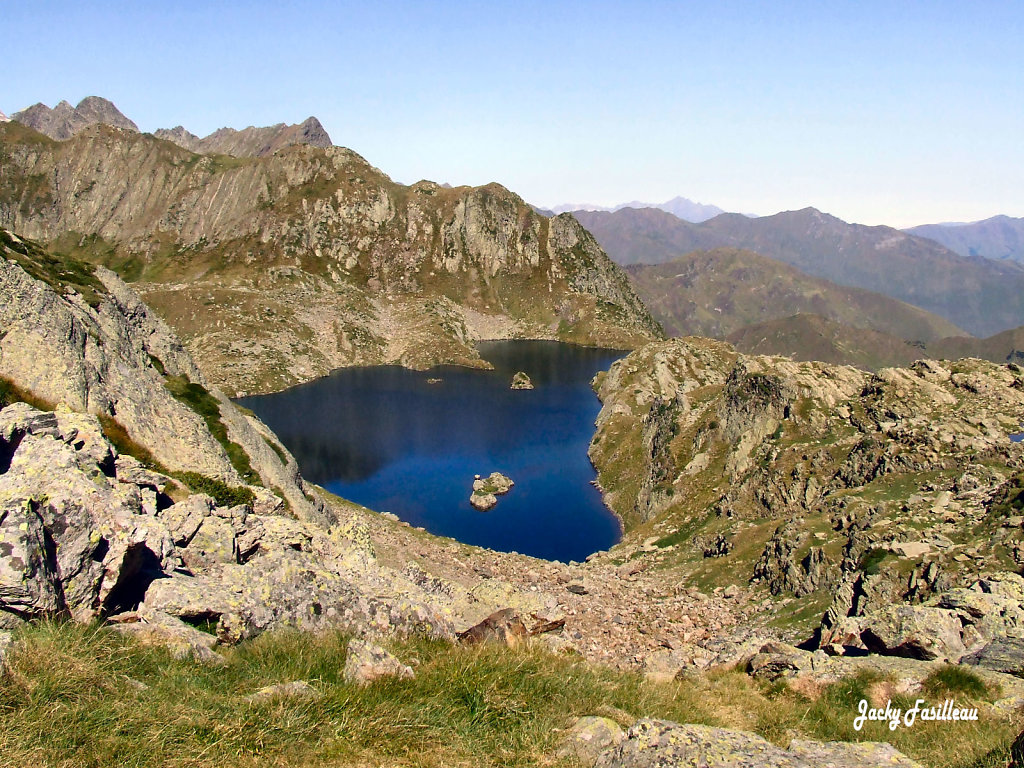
[64,121]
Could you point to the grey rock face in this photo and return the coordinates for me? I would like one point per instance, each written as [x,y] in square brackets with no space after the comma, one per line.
[1003,655]
[64,121]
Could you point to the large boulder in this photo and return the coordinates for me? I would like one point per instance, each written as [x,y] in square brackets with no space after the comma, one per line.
[915,631]
[366,662]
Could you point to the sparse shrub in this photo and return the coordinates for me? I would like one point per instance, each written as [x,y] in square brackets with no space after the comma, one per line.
[225,495]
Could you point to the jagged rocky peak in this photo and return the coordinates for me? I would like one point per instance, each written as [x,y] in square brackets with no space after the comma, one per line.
[64,121]
[251,141]
[4,118]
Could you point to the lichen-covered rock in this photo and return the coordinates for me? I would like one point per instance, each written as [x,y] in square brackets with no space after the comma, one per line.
[588,738]
[1005,654]
[75,540]
[113,360]
[182,640]
[366,662]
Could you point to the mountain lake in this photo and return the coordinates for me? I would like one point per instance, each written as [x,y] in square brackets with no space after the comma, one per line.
[410,443]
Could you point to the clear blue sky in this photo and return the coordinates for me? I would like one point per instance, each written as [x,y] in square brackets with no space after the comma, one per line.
[878,112]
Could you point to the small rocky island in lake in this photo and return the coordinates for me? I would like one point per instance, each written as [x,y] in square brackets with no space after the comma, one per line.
[487,489]
[521,381]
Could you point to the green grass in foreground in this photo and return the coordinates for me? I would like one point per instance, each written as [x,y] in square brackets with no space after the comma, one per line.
[69,700]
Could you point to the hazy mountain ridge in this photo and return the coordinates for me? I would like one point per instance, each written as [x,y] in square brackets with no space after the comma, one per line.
[685,209]
[277,269]
[979,295]
[999,237]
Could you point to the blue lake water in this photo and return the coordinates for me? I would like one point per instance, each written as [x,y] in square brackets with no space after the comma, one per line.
[390,439]
[1019,437]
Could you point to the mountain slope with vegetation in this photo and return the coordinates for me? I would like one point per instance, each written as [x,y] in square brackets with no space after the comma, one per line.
[979,295]
[275,270]
[715,293]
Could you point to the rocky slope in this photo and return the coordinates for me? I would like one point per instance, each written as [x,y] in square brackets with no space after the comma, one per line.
[980,295]
[78,337]
[64,121]
[718,292]
[276,270]
[131,492]
[251,141]
[801,479]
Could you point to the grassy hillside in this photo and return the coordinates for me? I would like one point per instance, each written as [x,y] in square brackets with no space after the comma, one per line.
[86,697]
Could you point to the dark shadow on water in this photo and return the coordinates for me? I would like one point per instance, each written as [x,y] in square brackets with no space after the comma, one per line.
[389,439]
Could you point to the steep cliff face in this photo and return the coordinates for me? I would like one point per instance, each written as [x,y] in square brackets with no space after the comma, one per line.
[79,338]
[312,259]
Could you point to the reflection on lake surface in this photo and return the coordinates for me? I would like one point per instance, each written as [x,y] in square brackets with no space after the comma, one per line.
[387,438]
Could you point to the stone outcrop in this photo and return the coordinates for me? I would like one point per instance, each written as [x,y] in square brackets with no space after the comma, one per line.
[588,738]
[275,270]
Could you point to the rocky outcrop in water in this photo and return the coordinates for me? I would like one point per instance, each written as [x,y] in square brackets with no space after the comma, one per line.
[487,489]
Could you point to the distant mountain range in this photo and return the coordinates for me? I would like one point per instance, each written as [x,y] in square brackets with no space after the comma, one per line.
[980,295]
[687,210]
[1001,237]
[64,121]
